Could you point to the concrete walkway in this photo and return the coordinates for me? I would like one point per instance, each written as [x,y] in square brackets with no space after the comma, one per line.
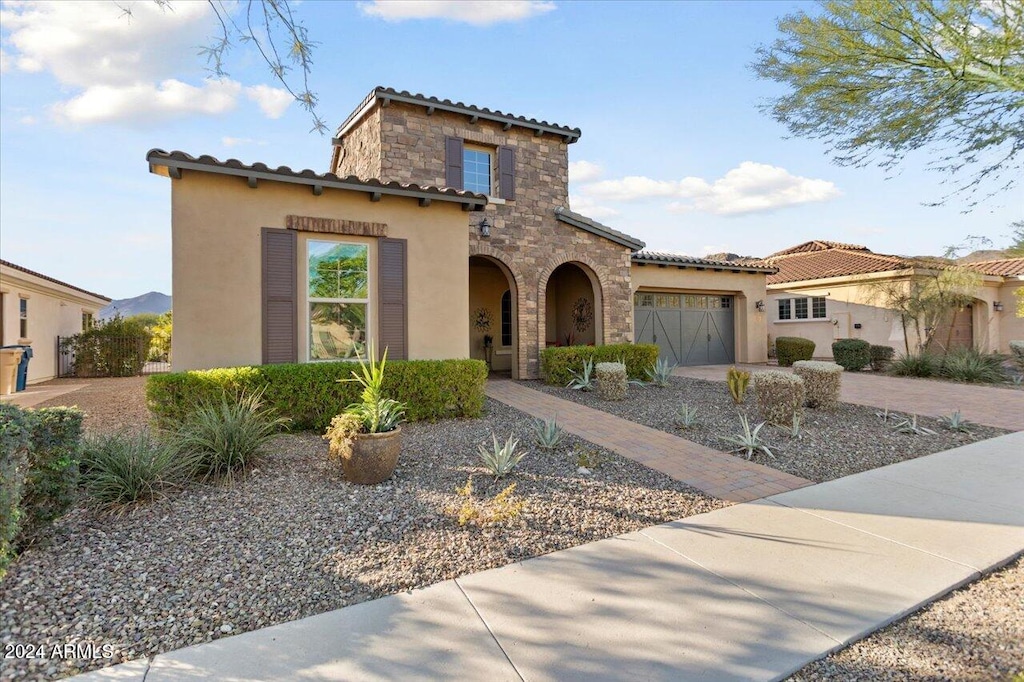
[992,406]
[717,473]
[750,592]
[39,393]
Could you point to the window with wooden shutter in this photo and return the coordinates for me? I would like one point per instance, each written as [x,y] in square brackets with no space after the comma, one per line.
[507,173]
[280,327]
[392,259]
[453,162]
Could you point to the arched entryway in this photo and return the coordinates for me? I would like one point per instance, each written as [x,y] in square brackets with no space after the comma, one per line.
[494,313]
[573,307]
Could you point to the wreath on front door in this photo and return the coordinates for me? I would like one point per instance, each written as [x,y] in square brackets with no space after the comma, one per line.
[582,314]
[482,319]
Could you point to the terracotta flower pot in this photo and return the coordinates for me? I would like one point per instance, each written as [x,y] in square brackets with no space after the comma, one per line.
[373,457]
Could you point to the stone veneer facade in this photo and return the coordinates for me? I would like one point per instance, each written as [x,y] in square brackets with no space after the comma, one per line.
[402,142]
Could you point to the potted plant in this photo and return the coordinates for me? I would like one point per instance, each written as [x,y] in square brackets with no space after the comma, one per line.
[367,436]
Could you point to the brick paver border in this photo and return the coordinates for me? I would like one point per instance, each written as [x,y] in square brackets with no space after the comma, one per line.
[715,473]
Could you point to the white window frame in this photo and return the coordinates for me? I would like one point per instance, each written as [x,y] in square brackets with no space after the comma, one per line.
[790,304]
[309,300]
[492,157]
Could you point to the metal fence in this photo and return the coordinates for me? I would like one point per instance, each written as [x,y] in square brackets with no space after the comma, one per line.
[107,357]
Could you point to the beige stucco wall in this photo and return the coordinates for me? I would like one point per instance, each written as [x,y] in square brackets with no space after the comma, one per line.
[487,284]
[750,325]
[216,246]
[567,285]
[53,310]
[993,330]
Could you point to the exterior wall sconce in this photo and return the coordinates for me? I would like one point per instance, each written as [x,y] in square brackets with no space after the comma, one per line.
[760,306]
[484,227]
[997,306]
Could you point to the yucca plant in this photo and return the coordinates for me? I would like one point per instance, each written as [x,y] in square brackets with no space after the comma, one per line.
[749,440]
[225,437]
[686,416]
[738,381]
[500,459]
[584,379]
[911,427]
[794,429]
[660,373]
[911,365]
[548,433]
[956,422]
[122,468]
[376,413]
[972,366]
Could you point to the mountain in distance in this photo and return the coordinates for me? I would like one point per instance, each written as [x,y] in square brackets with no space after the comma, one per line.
[153,302]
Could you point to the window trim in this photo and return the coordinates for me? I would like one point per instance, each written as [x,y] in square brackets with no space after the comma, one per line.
[307,300]
[792,303]
[492,160]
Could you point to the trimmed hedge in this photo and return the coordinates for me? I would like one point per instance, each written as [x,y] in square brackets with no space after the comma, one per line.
[853,355]
[310,394]
[881,357]
[556,362]
[780,396]
[789,349]
[822,382]
[15,438]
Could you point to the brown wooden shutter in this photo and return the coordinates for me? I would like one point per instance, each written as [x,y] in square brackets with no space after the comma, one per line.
[280,304]
[453,162]
[507,172]
[392,266]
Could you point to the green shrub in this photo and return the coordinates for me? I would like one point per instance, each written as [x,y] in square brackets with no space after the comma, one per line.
[881,357]
[853,355]
[915,365]
[972,366]
[15,439]
[780,396]
[1017,353]
[789,349]
[120,469]
[115,348]
[310,395]
[822,382]
[611,380]
[224,437]
[556,363]
[52,481]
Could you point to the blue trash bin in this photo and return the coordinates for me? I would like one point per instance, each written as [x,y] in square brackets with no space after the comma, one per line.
[22,366]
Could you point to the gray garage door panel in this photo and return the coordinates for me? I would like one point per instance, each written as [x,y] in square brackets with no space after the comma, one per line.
[690,329]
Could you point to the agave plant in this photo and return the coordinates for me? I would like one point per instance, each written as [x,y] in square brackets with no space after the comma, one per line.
[910,426]
[500,459]
[956,422]
[660,372]
[584,379]
[686,416]
[548,433]
[749,441]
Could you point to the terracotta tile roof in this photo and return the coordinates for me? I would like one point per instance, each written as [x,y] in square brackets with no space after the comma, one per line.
[40,275]
[390,94]
[1000,267]
[669,258]
[582,222]
[821,260]
[819,245]
[180,160]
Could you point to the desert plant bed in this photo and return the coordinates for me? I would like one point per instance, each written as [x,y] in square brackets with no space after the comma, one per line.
[831,443]
[292,538]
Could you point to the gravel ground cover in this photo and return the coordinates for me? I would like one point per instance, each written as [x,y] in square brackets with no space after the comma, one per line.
[109,404]
[294,539]
[975,633]
[831,444]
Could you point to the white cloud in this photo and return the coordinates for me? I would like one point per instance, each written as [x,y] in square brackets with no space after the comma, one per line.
[121,68]
[272,101]
[590,208]
[237,141]
[5,61]
[584,171]
[27,120]
[748,188]
[476,12]
[144,102]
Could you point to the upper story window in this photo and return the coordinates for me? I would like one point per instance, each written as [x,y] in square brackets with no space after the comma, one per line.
[802,308]
[476,171]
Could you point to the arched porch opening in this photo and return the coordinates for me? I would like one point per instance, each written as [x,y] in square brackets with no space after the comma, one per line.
[494,315]
[573,313]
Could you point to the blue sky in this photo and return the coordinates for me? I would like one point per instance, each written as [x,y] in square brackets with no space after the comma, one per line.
[674,149]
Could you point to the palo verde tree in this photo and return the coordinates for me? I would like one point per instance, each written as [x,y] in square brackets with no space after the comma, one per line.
[877,80]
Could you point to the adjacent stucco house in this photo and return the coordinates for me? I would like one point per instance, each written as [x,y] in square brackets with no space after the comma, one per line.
[825,291]
[448,233]
[35,309]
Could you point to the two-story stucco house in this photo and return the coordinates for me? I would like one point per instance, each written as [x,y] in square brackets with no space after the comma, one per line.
[442,230]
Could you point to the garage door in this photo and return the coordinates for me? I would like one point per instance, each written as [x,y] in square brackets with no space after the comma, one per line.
[690,329]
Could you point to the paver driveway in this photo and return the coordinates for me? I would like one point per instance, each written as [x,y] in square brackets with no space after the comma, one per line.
[992,406]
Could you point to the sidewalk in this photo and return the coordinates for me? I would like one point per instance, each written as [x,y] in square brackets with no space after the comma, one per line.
[749,592]
[717,473]
[989,405]
[39,393]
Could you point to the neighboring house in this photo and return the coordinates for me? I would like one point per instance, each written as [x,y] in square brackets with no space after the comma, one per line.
[1002,289]
[824,291]
[454,226]
[35,309]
